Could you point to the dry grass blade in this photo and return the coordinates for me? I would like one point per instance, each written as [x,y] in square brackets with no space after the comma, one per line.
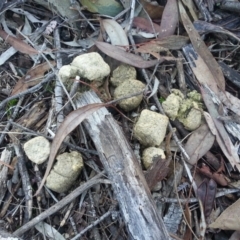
[125,57]
[202,49]
[69,124]
[17,43]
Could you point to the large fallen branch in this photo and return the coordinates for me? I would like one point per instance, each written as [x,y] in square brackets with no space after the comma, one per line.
[134,197]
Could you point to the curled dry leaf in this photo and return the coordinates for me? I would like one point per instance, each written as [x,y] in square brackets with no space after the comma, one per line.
[69,124]
[17,43]
[33,77]
[216,176]
[199,143]
[129,58]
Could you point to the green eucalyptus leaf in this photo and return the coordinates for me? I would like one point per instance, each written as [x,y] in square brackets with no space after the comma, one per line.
[105,7]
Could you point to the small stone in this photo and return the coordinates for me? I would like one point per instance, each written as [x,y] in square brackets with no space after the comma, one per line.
[65,171]
[151,128]
[122,73]
[149,154]
[37,149]
[91,66]
[126,88]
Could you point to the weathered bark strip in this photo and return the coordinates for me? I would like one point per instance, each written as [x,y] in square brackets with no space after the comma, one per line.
[136,204]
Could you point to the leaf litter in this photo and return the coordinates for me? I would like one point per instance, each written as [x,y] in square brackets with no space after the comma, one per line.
[209,56]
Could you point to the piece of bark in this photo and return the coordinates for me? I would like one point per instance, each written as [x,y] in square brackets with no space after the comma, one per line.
[134,197]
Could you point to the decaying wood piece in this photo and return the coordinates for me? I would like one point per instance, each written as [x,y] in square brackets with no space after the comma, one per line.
[135,201]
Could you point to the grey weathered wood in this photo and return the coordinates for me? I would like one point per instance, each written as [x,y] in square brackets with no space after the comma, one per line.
[135,201]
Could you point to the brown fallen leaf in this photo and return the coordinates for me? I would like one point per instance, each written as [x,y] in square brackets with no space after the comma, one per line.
[32,77]
[129,58]
[229,219]
[145,25]
[157,45]
[17,43]
[199,143]
[68,125]
[230,102]
[202,49]
[218,176]
[206,193]
[157,172]
[154,11]
[170,19]
[218,129]
[199,67]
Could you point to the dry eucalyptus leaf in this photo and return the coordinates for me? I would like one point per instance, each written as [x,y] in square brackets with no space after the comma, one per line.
[17,43]
[199,143]
[68,125]
[229,219]
[222,137]
[170,18]
[115,32]
[145,25]
[105,7]
[154,11]
[202,49]
[157,45]
[230,101]
[199,66]
[129,58]
[206,192]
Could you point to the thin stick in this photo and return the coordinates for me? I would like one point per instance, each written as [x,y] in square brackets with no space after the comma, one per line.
[69,198]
